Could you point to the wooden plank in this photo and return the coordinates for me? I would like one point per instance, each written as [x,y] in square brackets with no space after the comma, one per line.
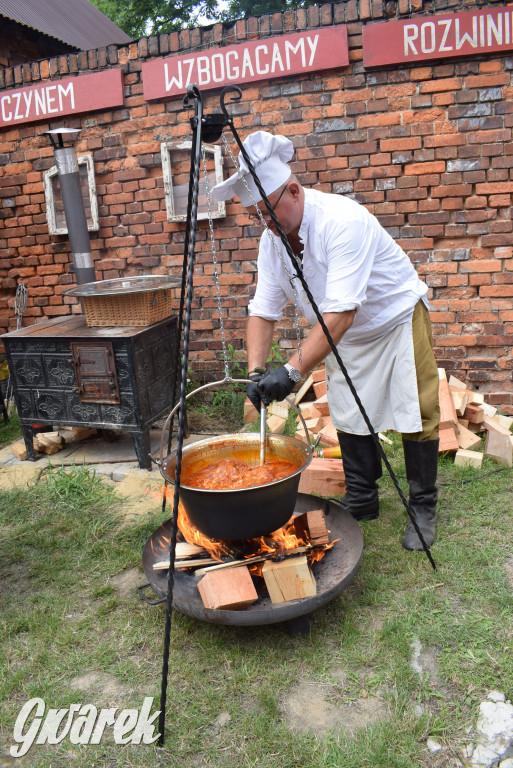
[488,410]
[19,450]
[311,526]
[329,437]
[324,477]
[229,590]
[322,405]
[460,401]
[279,409]
[448,441]
[465,458]
[468,439]
[447,410]
[303,390]
[290,579]
[276,424]
[319,374]
[500,448]
[320,389]
[505,421]
[492,425]
[474,414]
[454,382]
[475,398]
[250,412]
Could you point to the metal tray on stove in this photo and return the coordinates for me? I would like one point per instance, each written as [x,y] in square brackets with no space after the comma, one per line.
[122,285]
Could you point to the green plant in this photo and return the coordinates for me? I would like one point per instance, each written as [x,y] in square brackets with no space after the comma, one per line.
[9,430]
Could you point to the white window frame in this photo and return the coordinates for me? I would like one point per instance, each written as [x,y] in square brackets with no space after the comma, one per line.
[218,206]
[93,223]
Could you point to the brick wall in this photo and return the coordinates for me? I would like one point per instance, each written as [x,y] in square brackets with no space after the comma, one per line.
[20,44]
[426,148]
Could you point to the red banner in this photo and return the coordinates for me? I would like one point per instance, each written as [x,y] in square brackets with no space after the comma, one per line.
[56,98]
[247,63]
[438,37]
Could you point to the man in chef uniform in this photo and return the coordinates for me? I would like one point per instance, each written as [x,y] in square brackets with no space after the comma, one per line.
[375,309]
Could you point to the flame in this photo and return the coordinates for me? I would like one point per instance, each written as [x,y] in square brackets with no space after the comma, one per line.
[275,544]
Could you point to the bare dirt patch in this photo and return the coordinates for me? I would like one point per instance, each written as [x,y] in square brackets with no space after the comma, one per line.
[319,707]
[105,690]
[126,582]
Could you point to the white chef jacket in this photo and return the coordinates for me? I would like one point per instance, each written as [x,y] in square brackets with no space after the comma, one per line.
[351,262]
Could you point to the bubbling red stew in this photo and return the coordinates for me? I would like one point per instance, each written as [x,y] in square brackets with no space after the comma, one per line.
[229,474]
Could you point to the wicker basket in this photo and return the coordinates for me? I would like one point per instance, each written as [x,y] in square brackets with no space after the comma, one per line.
[128,309]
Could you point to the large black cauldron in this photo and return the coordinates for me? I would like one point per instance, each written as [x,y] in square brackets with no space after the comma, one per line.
[241,513]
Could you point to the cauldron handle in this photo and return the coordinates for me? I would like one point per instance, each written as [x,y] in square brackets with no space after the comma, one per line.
[227,380]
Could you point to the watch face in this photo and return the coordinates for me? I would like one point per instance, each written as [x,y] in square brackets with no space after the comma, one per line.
[294,374]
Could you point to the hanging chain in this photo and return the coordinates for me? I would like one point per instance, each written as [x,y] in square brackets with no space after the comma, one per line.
[214,259]
[291,278]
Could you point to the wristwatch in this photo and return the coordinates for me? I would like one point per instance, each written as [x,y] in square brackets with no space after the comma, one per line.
[294,374]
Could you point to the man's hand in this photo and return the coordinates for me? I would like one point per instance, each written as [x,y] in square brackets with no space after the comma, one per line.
[252,391]
[275,385]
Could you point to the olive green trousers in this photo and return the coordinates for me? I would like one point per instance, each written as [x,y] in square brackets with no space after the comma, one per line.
[427,375]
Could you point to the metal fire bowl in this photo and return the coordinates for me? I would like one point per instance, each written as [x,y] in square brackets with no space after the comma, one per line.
[334,572]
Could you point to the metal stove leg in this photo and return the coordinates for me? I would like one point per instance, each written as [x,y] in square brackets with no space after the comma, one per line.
[142,446]
[28,437]
[299,627]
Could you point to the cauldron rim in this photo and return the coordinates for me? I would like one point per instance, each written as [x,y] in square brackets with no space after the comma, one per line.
[302,446]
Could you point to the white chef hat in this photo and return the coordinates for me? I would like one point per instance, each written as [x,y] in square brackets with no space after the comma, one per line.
[269,155]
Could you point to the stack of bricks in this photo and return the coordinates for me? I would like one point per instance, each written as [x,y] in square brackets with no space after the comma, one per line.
[427,148]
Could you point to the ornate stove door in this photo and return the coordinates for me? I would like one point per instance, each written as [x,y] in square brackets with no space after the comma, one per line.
[95,371]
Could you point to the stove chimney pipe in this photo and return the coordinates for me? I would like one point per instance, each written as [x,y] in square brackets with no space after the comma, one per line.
[74,211]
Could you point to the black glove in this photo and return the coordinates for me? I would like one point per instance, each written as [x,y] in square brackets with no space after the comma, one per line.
[275,385]
[252,391]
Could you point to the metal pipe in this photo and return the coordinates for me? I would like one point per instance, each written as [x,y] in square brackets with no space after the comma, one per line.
[74,212]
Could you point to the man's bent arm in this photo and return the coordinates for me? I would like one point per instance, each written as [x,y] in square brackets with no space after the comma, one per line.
[259,339]
[316,346]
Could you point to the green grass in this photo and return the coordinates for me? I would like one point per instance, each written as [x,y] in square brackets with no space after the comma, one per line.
[9,430]
[64,615]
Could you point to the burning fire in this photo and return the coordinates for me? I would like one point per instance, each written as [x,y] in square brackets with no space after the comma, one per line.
[276,544]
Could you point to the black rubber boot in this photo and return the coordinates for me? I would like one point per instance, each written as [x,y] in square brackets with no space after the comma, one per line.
[362,467]
[421,461]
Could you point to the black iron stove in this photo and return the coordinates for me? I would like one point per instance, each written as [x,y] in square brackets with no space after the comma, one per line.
[68,374]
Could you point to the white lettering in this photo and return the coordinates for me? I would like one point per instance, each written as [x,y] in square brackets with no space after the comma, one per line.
[218,78]
[411,33]
[174,81]
[506,28]
[27,95]
[126,722]
[247,64]
[443,46]
[428,25]
[144,725]
[82,728]
[276,60]
[313,47]
[6,116]
[294,49]
[17,98]
[53,719]
[27,739]
[460,41]
[482,30]
[50,98]
[106,717]
[66,92]
[203,65]
[494,29]
[259,68]
[232,74]
[40,101]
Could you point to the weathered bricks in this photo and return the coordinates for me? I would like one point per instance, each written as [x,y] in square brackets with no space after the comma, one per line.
[428,149]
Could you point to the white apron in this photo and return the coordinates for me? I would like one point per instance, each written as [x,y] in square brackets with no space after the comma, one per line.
[383,374]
